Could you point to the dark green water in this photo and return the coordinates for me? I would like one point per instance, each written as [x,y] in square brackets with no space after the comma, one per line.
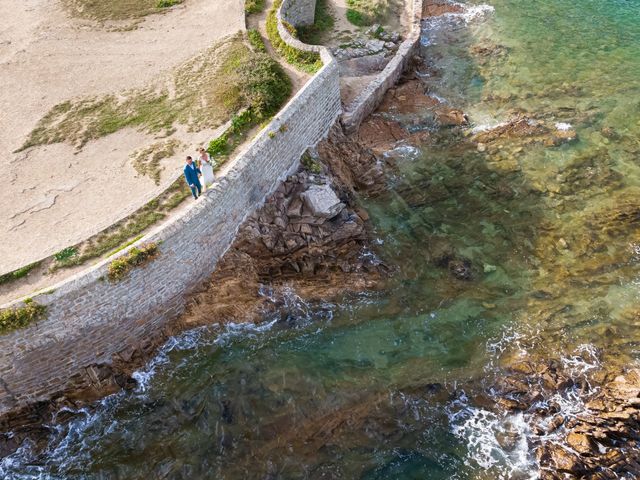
[360,388]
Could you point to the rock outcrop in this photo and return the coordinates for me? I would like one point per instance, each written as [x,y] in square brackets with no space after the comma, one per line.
[309,237]
[596,438]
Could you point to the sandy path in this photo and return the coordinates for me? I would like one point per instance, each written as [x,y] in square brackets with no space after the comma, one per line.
[51,196]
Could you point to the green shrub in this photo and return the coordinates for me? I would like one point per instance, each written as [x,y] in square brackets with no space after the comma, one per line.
[135,257]
[65,254]
[306,61]
[356,18]
[310,164]
[14,318]
[167,3]
[256,41]
[218,146]
[265,87]
[254,6]
[241,121]
[19,273]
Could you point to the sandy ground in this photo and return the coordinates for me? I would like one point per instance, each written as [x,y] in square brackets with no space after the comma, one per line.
[51,196]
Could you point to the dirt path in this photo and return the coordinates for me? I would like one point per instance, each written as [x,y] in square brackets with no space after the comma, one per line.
[53,196]
[258,22]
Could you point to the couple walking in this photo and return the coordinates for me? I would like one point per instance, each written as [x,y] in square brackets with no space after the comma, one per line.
[192,173]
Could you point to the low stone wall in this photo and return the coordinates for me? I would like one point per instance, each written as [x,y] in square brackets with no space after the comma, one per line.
[369,99]
[91,320]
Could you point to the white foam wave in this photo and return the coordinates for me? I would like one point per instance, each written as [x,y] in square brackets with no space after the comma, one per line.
[563,127]
[486,127]
[498,443]
[404,152]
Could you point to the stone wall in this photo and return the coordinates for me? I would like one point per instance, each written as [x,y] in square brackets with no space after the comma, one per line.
[298,12]
[368,100]
[90,320]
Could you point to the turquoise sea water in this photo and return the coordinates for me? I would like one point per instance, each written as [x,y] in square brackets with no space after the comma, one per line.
[379,386]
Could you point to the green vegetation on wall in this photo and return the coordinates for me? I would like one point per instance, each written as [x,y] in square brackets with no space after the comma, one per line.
[20,317]
[309,62]
[119,268]
[127,231]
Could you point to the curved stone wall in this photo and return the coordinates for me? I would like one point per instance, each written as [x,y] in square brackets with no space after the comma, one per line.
[92,321]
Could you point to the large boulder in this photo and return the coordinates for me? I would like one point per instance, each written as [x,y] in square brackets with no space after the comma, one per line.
[322,201]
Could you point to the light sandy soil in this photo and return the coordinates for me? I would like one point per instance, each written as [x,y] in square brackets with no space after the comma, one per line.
[52,196]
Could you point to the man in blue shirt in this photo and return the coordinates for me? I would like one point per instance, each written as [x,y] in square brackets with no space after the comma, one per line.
[191,172]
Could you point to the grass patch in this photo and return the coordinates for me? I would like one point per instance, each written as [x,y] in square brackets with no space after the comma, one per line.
[147,160]
[14,318]
[254,6]
[18,274]
[310,164]
[124,245]
[324,21]
[256,41]
[363,13]
[309,62]
[119,268]
[102,10]
[206,91]
[65,254]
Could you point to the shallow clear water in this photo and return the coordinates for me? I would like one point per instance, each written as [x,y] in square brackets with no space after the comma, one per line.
[361,388]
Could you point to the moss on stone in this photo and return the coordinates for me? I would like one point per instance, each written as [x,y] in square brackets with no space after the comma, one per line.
[119,268]
[20,317]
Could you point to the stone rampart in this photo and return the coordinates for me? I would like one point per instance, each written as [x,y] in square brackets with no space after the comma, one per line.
[91,320]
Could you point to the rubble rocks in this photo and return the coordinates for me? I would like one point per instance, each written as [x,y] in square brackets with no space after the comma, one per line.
[308,236]
[376,41]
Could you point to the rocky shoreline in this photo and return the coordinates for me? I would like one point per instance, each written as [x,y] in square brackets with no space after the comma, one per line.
[309,236]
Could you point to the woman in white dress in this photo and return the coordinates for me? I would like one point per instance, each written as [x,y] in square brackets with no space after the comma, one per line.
[206,167]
